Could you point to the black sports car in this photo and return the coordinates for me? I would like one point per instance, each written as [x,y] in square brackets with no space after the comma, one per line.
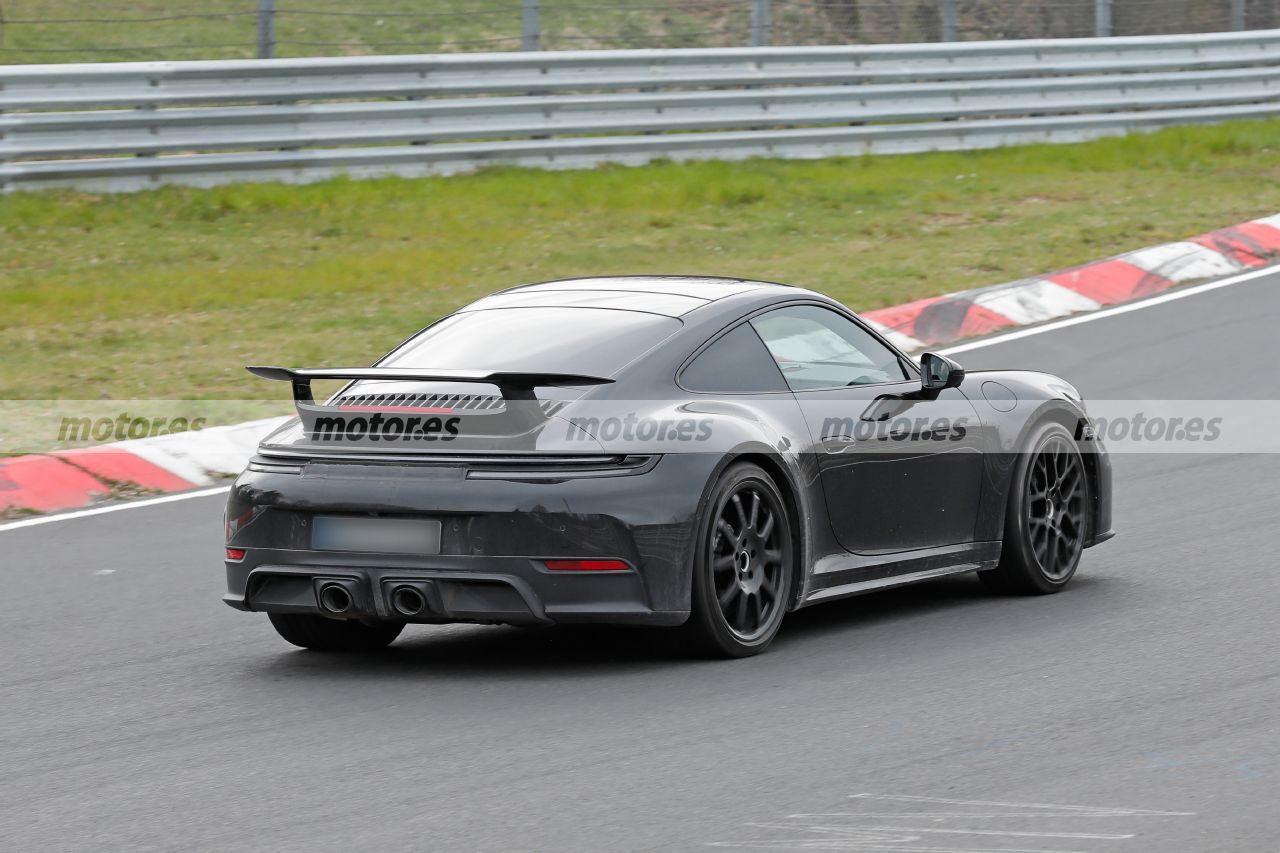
[697,452]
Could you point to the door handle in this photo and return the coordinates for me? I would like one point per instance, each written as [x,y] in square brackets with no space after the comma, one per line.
[838,443]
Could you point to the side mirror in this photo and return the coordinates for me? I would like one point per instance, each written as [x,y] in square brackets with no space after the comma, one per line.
[939,372]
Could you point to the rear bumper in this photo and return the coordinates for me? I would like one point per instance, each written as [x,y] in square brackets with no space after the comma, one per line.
[495,536]
[509,590]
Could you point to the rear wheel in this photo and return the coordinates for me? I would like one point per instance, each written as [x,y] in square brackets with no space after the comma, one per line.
[744,564]
[334,635]
[1046,518]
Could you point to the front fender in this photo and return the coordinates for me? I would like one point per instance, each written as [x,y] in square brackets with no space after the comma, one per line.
[1014,403]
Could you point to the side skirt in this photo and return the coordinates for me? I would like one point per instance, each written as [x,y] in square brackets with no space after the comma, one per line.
[830,582]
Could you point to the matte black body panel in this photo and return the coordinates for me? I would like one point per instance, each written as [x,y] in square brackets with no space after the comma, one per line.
[924,494]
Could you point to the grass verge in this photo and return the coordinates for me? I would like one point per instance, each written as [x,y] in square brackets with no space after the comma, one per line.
[43,31]
[168,293]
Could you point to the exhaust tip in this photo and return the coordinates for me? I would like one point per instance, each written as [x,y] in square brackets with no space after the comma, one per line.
[407,601]
[334,598]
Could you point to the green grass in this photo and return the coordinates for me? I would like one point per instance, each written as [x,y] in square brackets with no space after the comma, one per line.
[111,30]
[169,293]
[75,31]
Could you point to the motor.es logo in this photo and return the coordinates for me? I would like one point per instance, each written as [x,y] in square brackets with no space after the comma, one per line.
[898,429]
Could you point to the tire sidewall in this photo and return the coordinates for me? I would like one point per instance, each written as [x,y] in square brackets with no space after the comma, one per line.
[704,607]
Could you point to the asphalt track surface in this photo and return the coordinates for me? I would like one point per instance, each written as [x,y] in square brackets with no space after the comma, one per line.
[1137,711]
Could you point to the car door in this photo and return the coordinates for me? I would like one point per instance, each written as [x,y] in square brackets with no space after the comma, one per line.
[901,468]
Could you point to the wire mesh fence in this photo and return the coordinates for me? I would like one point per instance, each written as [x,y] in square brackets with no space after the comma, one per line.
[42,31]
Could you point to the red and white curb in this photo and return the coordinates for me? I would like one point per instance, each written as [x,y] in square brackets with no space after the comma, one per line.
[69,479]
[1134,275]
[76,478]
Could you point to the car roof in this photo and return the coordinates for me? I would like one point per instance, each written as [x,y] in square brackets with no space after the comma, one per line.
[668,295]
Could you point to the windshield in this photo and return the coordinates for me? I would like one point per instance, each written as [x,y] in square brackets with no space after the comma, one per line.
[586,341]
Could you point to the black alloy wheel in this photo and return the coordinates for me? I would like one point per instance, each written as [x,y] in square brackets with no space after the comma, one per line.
[1055,508]
[743,573]
[1047,519]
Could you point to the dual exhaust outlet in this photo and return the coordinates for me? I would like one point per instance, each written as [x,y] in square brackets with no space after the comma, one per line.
[408,600]
[335,598]
[338,598]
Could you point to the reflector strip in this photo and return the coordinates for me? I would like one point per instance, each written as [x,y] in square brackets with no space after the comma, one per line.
[586,565]
[235,555]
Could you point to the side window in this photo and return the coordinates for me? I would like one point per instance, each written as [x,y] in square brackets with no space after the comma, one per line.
[737,363]
[818,348]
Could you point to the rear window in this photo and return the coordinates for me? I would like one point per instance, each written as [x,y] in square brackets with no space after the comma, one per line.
[586,341]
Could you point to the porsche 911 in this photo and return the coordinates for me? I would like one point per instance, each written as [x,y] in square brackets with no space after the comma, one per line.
[700,453]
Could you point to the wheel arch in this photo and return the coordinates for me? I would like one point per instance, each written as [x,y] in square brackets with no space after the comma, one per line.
[1074,422]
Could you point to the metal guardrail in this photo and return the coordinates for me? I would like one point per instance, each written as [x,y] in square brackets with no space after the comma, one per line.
[126,126]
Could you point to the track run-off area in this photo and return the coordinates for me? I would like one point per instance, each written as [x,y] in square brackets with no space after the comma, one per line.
[1136,711]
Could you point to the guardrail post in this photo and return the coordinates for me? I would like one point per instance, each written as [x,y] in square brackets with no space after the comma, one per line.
[4,181]
[1102,18]
[948,20]
[1237,15]
[530,25]
[759,23]
[266,29]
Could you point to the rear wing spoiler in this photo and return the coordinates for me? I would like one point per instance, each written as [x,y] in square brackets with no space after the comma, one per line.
[512,385]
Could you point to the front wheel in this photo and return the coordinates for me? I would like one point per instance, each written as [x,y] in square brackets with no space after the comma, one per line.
[743,567]
[334,635]
[1046,519]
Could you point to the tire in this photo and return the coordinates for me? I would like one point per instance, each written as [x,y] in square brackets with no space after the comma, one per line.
[1047,517]
[743,565]
[334,635]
